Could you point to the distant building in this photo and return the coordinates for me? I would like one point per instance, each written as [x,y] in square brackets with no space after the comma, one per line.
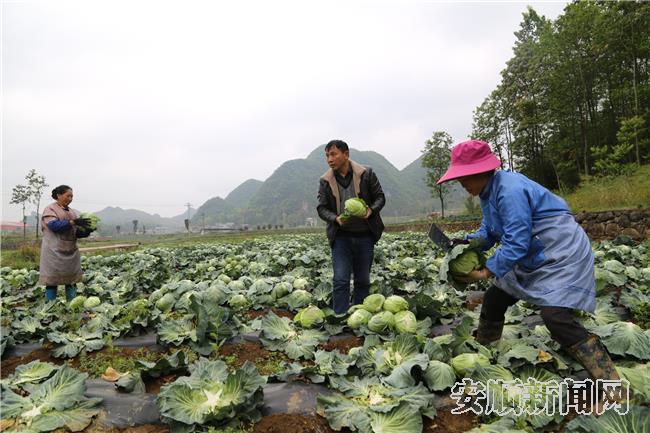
[10,227]
[220,228]
[310,222]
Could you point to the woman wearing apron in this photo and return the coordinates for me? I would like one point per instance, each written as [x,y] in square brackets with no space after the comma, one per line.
[544,256]
[60,258]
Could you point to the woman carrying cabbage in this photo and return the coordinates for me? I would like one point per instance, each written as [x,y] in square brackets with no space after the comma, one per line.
[544,256]
[60,259]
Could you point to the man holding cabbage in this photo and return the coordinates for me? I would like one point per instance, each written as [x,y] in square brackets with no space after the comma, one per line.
[349,201]
[544,256]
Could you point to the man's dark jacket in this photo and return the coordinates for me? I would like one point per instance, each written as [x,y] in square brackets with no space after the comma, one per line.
[366,186]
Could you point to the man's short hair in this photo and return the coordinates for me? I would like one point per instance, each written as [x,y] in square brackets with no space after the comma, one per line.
[340,145]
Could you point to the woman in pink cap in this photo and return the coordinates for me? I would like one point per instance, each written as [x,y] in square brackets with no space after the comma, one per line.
[544,256]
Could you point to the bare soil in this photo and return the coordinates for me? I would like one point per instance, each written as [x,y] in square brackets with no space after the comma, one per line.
[291,423]
[343,345]
[447,422]
[247,351]
[254,314]
[146,428]
[8,366]
[152,386]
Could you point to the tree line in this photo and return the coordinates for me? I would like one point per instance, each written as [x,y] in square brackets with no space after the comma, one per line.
[574,99]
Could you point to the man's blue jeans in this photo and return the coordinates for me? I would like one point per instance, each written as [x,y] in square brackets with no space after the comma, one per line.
[351,255]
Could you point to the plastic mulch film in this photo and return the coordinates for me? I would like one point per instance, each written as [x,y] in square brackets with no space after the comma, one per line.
[123,410]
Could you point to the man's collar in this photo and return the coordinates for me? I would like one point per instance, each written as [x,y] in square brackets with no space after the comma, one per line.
[346,174]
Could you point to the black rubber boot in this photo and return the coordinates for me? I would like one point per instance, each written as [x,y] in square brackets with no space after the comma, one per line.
[488,331]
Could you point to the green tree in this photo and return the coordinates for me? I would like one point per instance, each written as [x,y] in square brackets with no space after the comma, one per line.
[472,208]
[21,195]
[629,135]
[36,184]
[575,95]
[435,159]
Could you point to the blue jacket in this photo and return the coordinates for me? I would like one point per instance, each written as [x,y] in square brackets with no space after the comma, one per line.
[511,204]
[544,256]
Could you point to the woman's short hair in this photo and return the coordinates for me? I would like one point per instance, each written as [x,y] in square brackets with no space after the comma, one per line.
[61,189]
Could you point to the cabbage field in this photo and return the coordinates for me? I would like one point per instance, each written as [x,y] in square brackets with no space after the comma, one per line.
[228,325]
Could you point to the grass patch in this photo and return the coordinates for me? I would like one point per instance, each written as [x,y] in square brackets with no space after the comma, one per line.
[630,191]
[95,364]
[25,256]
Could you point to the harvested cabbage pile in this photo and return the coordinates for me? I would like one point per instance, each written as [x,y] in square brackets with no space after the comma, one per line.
[382,315]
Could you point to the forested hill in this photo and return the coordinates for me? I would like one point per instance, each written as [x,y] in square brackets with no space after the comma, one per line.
[288,196]
[574,99]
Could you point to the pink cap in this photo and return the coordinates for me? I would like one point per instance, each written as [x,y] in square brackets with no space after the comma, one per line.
[470,157]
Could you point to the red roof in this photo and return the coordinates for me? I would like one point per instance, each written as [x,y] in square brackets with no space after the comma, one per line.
[9,226]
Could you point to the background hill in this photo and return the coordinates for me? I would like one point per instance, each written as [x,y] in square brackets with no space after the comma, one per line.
[114,216]
[288,196]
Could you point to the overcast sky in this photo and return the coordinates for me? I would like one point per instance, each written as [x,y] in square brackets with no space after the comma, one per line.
[151,104]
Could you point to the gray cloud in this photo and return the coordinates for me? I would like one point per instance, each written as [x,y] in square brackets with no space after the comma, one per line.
[153,104]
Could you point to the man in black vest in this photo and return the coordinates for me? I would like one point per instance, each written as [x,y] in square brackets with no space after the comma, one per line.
[352,241]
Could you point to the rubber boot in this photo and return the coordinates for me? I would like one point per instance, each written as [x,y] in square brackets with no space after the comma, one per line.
[488,331]
[70,292]
[593,356]
[50,293]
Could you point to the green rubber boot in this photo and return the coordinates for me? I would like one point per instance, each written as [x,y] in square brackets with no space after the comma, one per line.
[593,356]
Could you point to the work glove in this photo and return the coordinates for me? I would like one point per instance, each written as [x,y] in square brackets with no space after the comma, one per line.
[82,232]
[459,241]
[82,222]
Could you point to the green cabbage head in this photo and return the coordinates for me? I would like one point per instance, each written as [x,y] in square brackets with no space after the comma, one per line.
[465,263]
[309,317]
[373,303]
[464,362]
[91,302]
[238,302]
[358,318]
[405,322]
[395,304]
[94,220]
[166,302]
[78,302]
[381,322]
[354,207]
